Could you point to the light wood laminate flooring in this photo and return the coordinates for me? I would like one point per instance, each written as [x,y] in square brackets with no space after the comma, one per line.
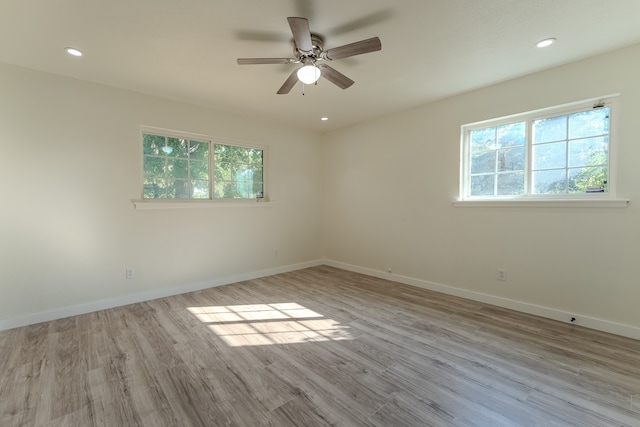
[316,347]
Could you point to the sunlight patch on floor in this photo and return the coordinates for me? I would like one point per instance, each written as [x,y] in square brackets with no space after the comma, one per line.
[266,324]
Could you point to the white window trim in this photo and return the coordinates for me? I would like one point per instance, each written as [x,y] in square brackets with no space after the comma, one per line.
[542,203]
[146,204]
[608,199]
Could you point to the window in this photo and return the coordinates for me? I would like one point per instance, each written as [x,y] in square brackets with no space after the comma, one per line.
[175,168]
[239,172]
[560,152]
[179,166]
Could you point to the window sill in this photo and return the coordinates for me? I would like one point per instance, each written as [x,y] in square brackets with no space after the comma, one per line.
[543,203]
[198,204]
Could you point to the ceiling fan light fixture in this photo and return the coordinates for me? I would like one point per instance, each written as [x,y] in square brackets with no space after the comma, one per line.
[308,74]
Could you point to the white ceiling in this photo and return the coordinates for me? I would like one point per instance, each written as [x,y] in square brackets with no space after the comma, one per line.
[186,50]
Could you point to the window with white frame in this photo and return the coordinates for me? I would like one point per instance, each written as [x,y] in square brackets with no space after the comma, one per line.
[184,166]
[558,152]
[239,172]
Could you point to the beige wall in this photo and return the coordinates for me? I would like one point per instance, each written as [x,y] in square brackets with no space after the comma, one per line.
[71,160]
[390,183]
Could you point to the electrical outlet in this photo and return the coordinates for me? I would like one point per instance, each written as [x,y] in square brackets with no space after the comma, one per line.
[130,272]
[502,274]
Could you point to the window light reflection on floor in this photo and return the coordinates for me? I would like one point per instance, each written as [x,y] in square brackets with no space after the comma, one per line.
[266,324]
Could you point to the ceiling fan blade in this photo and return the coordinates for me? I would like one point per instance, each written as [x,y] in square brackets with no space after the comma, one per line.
[335,77]
[358,48]
[253,61]
[301,33]
[289,83]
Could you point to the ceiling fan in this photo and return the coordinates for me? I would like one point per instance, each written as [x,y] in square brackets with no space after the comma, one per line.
[308,51]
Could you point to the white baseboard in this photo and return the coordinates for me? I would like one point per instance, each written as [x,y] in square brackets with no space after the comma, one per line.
[75,310]
[537,310]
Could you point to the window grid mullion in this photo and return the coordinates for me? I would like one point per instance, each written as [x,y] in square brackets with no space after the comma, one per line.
[497,162]
[212,171]
[528,163]
[566,157]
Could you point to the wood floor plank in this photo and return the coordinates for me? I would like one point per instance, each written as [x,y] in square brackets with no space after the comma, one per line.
[316,347]
[300,411]
[407,409]
[318,397]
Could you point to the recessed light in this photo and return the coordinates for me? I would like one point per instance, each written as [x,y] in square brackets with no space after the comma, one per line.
[324,119]
[73,51]
[546,42]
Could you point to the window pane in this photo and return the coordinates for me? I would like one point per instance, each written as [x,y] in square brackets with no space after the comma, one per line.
[154,189]
[177,168]
[225,190]
[550,129]
[547,156]
[223,171]
[238,172]
[549,182]
[258,189]
[482,139]
[199,170]
[483,162]
[198,150]
[482,185]
[589,123]
[257,173]
[511,135]
[154,166]
[510,184]
[178,147]
[243,189]
[589,152]
[255,157]
[243,155]
[234,154]
[587,180]
[243,173]
[511,159]
[181,189]
[200,189]
[151,144]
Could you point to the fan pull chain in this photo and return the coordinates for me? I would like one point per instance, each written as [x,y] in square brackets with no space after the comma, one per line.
[315,84]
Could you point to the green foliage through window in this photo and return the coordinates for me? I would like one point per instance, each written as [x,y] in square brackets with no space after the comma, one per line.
[180,168]
[175,168]
[239,172]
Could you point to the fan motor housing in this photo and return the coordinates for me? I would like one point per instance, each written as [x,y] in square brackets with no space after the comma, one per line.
[317,42]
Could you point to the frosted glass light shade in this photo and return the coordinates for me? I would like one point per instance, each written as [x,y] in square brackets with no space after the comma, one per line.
[309,74]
